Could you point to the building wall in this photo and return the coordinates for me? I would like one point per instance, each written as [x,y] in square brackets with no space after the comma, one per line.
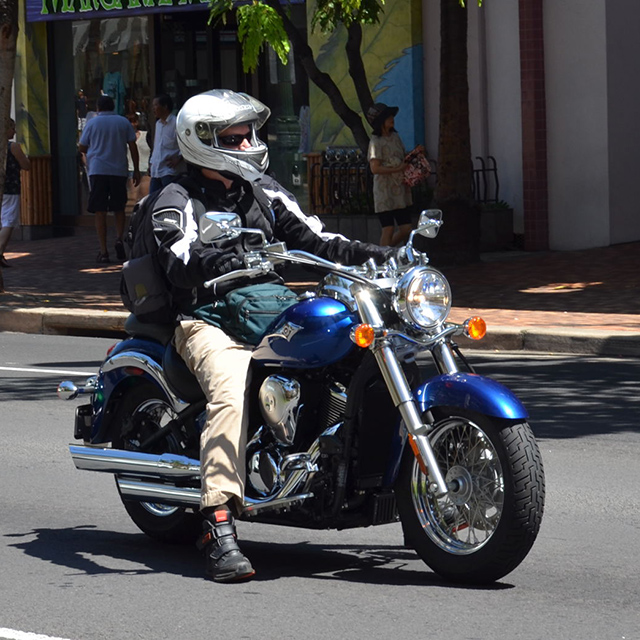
[577,117]
[623,74]
[392,55]
[494,82]
[592,63]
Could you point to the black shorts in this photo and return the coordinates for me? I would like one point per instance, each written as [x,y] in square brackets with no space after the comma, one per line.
[401,216]
[107,193]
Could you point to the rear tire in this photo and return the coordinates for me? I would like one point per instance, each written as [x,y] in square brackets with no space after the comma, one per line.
[142,411]
[484,528]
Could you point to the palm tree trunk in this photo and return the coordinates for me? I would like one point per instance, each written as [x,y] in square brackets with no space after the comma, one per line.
[454,149]
[459,240]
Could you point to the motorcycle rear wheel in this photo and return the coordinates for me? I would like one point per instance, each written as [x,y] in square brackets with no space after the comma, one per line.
[148,410]
[485,526]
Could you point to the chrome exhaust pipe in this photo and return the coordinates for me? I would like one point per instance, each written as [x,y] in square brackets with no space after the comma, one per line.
[146,477]
[140,491]
[133,463]
[161,493]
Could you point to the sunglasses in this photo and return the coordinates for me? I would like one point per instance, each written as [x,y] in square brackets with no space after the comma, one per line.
[235,139]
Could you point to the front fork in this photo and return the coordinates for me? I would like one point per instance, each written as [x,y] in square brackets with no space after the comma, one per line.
[401,393]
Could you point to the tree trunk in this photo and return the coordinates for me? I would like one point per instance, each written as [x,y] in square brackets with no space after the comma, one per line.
[454,151]
[8,41]
[356,66]
[459,239]
[322,80]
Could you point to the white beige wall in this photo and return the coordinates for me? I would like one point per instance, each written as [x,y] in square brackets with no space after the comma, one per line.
[494,95]
[623,82]
[592,68]
[577,116]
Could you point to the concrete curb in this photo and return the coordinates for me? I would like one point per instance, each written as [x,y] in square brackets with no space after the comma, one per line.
[544,340]
[62,321]
[558,340]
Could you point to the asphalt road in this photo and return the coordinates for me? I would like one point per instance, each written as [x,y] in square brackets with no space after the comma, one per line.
[73,566]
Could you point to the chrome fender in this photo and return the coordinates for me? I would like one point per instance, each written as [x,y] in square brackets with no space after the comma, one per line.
[470,391]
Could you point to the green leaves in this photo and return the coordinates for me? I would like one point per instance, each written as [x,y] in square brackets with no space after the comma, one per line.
[329,14]
[257,24]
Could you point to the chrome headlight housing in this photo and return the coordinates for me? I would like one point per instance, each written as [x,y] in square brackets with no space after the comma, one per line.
[422,298]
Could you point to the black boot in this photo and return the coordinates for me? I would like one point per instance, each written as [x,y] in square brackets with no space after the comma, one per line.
[225,562]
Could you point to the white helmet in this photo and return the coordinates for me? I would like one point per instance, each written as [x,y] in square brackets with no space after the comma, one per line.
[204,116]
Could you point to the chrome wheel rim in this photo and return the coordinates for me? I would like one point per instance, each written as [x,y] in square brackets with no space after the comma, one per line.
[462,521]
[160,414]
[159,510]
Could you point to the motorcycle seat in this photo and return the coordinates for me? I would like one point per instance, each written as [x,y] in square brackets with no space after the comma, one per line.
[161,333]
[180,379]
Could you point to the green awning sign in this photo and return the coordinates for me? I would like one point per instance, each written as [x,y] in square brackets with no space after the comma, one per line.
[40,10]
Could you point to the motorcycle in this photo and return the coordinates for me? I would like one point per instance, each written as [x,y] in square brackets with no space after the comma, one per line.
[351,423]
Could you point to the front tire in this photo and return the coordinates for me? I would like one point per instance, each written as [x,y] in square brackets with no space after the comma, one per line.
[484,527]
[143,411]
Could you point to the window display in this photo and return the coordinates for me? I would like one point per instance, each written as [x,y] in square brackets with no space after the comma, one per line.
[112,57]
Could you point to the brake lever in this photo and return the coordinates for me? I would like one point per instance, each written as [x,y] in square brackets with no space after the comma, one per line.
[238,273]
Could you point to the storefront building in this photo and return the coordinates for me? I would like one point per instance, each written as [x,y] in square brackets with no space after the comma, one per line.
[71,51]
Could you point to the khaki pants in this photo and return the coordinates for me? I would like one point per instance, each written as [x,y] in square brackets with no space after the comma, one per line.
[221,366]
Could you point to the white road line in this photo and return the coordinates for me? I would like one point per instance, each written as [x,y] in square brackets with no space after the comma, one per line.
[61,372]
[12,634]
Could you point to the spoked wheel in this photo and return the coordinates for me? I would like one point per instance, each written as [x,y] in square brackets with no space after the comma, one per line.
[142,413]
[485,525]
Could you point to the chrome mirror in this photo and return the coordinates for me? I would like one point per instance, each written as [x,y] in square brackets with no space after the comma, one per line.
[215,224]
[67,390]
[429,223]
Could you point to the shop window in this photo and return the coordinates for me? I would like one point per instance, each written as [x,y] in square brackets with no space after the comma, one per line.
[112,57]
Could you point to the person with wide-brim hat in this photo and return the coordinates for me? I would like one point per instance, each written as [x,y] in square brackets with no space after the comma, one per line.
[391,196]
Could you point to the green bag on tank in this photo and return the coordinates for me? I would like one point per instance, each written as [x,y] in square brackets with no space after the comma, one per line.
[247,313]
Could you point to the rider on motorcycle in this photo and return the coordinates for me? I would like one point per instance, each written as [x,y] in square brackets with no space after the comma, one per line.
[218,138]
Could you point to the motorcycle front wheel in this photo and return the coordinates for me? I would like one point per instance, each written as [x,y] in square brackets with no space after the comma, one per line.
[484,527]
[142,412]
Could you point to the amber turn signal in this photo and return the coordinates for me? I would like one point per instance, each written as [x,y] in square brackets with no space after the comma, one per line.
[363,335]
[475,328]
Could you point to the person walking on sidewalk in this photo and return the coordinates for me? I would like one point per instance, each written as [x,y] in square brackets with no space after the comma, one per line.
[104,140]
[165,156]
[10,207]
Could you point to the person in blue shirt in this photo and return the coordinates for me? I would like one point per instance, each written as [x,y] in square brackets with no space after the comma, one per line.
[105,140]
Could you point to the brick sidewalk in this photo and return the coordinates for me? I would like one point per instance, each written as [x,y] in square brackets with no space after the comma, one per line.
[591,289]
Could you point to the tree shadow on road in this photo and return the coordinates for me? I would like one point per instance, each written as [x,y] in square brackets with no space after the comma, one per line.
[572,396]
[90,551]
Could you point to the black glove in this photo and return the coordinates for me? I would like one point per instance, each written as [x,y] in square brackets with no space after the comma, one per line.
[228,263]
[219,264]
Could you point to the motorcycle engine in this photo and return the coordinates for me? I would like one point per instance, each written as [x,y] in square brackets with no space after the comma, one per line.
[271,458]
[279,400]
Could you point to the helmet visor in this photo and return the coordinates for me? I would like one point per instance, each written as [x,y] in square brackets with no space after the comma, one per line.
[213,136]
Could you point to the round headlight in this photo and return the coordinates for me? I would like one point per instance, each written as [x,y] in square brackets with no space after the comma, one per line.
[422,298]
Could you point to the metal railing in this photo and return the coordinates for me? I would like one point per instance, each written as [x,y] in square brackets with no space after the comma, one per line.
[341,182]
[486,186]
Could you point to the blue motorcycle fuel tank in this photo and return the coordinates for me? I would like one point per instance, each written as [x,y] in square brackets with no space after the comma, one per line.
[313,333]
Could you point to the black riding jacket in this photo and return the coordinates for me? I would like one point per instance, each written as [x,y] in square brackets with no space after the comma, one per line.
[188,263]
